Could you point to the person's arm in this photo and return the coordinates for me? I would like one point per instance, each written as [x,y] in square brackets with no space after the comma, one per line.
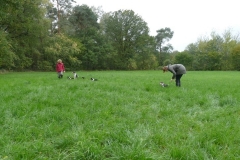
[172,71]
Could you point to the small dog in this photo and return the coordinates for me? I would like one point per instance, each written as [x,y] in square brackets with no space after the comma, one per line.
[93,79]
[75,75]
[163,84]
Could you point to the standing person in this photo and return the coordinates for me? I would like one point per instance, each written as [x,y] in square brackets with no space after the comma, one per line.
[177,70]
[60,68]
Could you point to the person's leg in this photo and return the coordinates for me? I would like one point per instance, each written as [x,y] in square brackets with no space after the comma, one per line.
[178,82]
[59,75]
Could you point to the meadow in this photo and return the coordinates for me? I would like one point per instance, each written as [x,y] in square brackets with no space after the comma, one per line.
[125,115]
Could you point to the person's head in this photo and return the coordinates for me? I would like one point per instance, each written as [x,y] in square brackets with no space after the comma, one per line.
[59,61]
[165,69]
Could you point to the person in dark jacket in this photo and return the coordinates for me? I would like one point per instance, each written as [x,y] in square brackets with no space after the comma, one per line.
[60,68]
[177,70]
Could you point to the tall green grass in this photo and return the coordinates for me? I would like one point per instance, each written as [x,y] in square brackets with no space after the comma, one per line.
[123,115]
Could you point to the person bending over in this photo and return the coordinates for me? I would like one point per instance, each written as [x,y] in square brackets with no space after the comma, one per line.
[177,70]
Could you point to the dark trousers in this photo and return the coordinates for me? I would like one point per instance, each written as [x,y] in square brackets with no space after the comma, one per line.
[178,82]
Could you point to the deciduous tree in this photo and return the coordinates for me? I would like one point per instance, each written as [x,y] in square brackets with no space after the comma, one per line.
[7,56]
[163,36]
[236,57]
[62,7]
[60,46]
[126,31]
[184,58]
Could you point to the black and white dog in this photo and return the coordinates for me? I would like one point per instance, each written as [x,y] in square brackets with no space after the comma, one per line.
[163,84]
[93,79]
[75,76]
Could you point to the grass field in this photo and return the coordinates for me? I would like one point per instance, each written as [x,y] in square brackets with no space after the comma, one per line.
[124,115]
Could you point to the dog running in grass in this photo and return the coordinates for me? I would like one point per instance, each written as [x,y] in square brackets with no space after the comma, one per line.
[163,84]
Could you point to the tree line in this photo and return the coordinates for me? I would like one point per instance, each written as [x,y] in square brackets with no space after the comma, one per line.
[34,34]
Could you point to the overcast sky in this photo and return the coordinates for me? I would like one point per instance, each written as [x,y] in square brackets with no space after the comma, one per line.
[189,19]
